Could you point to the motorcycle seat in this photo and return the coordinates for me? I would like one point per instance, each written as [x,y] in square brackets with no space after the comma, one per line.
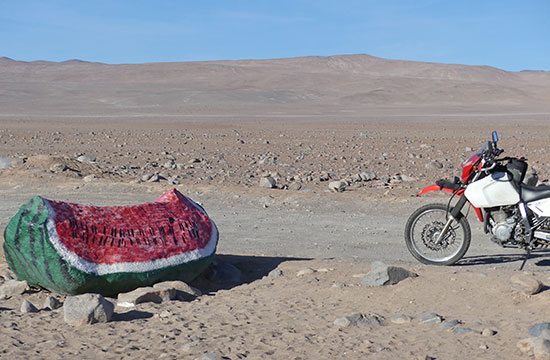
[532,193]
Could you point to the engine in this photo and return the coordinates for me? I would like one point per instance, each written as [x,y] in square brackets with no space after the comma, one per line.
[506,227]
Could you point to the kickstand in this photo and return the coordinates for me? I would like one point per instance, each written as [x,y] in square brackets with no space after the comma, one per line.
[527,254]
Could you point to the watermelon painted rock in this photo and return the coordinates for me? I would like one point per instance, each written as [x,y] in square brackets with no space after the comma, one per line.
[73,249]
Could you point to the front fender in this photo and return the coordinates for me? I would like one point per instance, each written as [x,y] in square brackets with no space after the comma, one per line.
[460,192]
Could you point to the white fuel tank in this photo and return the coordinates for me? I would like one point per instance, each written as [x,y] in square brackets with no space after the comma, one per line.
[493,190]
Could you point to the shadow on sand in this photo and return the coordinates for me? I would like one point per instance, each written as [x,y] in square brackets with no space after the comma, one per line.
[539,258]
[229,271]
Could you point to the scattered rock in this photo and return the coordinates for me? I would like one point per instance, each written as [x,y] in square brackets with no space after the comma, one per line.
[541,348]
[525,283]
[211,356]
[89,178]
[449,324]
[460,331]
[275,273]
[147,177]
[145,294]
[401,319]
[28,307]
[184,292]
[12,288]
[537,329]
[337,186]
[525,345]
[5,162]
[86,159]
[406,178]
[368,175]
[434,165]
[224,273]
[342,322]
[306,271]
[52,303]
[268,182]
[58,167]
[294,186]
[382,274]
[87,309]
[359,320]
[154,178]
[431,318]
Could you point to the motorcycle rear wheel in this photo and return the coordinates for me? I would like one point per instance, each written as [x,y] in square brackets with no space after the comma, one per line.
[423,229]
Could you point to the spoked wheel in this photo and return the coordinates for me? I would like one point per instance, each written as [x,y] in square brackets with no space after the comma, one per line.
[422,236]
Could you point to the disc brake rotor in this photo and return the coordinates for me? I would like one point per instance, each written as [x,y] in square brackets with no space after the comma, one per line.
[431,232]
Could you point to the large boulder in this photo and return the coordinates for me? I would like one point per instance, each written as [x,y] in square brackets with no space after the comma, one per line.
[73,249]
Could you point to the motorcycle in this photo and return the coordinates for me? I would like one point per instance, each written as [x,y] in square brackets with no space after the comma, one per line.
[514,213]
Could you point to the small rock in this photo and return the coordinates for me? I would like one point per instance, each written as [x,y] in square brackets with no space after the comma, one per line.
[89,178]
[342,322]
[525,283]
[382,274]
[154,178]
[52,303]
[86,159]
[545,334]
[223,273]
[184,292]
[12,288]
[401,319]
[359,320]
[169,165]
[211,356]
[58,167]
[306,271]
[268,182]
[406,178]
[28,307]
[146,177]
[145,294]
[368,175]
[537,329]
[431,318]
[5,162]
[541,348]
[434,165]
[488,332]
[275,273]
[525,345]
[460,331]
[337,186]
[449,324]
[87,309]
[294,186]
[366,319]
[338,285]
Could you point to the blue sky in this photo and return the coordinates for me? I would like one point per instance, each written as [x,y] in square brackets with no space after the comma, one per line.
[511,35]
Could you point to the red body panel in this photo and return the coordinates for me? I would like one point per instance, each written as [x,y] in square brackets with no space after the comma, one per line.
[459,192]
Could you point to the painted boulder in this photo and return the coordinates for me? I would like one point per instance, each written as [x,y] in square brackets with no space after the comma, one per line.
[73,249]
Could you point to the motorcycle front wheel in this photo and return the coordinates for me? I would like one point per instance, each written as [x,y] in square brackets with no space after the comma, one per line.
[422,236]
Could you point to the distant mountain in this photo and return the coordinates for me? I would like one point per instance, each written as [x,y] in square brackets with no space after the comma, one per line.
[343,84]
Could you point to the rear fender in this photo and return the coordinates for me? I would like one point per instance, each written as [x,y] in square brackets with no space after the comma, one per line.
[436,187]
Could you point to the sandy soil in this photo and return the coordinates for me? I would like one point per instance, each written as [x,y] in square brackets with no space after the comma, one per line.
[215,152]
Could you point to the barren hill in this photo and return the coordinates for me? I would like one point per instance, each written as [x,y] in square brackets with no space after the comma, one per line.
[345,85]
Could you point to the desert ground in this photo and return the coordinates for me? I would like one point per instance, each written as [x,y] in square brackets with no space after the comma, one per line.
[124,134]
